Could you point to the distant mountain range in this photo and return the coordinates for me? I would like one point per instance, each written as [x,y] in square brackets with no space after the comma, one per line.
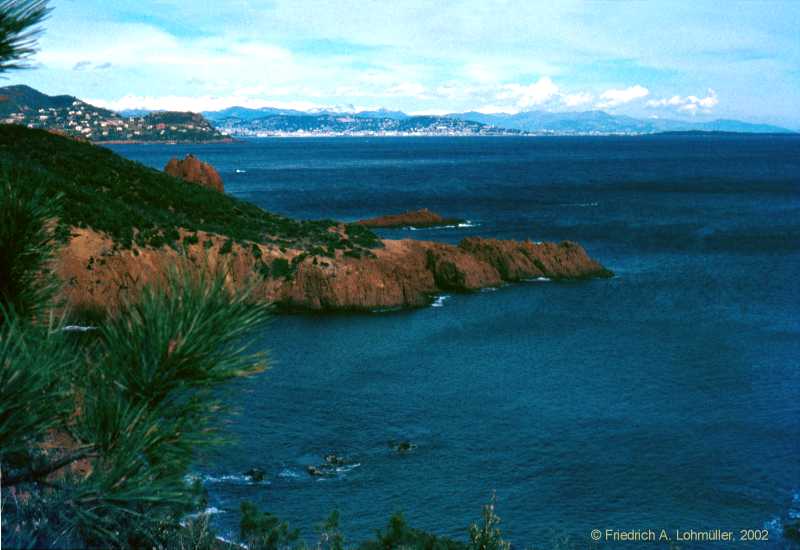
[591,122]
[70,116]
[269,121]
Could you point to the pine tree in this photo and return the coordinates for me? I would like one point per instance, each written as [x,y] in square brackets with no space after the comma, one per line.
[99,434]
[19,20]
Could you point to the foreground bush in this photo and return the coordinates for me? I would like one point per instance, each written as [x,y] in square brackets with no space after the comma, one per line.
[96,436]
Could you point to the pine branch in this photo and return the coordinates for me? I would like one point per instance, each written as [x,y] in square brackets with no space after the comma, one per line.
[47,469]
[19,31]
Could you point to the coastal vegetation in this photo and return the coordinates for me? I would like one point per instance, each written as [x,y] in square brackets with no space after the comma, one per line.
[141,207]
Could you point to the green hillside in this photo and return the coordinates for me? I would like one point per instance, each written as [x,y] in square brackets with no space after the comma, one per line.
[139,206]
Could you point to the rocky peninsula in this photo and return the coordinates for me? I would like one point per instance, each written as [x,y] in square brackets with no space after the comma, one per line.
[123,225]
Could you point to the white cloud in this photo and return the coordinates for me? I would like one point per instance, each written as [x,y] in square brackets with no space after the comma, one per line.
[536,93]
[614,98]
[200,103]
[577,99]
[407,89]
[689,104]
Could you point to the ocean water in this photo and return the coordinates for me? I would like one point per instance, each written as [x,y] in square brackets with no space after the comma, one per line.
[666,397]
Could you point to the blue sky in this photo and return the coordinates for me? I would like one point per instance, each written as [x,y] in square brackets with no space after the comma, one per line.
[676,59]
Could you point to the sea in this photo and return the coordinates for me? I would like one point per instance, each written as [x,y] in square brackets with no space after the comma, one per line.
[666,397]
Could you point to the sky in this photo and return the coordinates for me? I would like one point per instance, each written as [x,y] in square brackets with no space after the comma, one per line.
[692,60]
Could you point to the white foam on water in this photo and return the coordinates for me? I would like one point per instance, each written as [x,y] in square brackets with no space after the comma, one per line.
[539,280]
[439,301]
[463,225]
[288,473]
[240,171]
[347,468]
[580,204]
[228,478]
[210,511]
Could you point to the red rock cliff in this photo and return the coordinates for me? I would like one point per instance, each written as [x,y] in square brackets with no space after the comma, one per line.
[404,273]
[194,170]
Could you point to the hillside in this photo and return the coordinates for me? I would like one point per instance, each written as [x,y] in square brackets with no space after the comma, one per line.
[123,225]
[25,106]
[140,207]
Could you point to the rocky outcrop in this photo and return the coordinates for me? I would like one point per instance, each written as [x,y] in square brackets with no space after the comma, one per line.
[194,170]
[403,273]
[416,218]
[406,273]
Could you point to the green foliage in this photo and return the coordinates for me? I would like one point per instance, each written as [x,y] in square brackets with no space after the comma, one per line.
[330,537]
[487,535]
[26,246]
[791,529]
[143,391]
[263,531]
[359,235]
[18,31]
[280,267]
[137,205]
[33,365]
[226,247]
[185,334]
[399,535]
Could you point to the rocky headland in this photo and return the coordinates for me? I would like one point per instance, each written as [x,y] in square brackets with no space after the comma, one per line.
[400,274]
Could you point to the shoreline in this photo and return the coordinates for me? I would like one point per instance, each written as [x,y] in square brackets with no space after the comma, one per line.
[165,142]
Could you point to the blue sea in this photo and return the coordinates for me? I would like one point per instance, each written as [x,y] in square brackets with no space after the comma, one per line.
[666,397]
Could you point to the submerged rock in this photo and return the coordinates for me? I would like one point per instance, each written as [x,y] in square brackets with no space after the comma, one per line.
[255,474]
[320,471]
[334,460]
[402,446]
[194,170]
[328,468]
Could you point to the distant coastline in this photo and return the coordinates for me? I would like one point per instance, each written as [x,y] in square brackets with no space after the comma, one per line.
[68,115]
[164,142]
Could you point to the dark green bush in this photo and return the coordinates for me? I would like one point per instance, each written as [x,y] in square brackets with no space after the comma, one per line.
[399,535]
[280,268]
[226,247]
[263,531]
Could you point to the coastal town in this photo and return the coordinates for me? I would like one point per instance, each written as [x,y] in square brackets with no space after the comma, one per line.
[78,119]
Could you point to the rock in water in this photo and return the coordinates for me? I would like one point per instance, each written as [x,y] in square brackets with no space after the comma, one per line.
[194,170]
[417,218]
[255,474]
